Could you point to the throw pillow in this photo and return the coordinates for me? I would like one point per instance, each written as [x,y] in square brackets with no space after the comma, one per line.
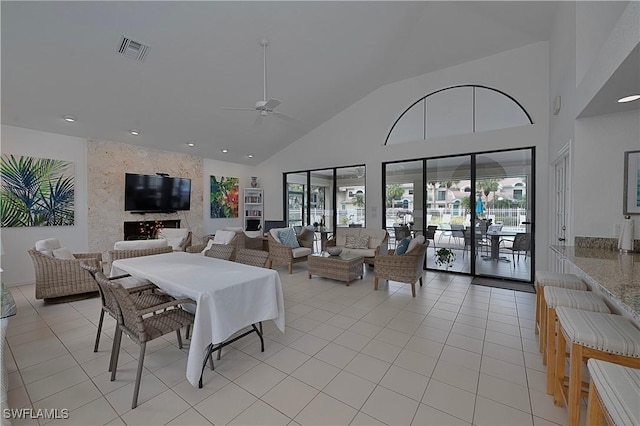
[415,242]
[403,245]
[355,242]
[288,238]
[63,253]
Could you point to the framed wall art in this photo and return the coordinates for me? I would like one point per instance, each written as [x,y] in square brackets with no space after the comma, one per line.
[36,191]
[632,182]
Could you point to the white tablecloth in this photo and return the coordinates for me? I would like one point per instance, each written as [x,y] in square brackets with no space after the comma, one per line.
[229,296]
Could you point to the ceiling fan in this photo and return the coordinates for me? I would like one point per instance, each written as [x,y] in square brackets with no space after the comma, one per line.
[265,106]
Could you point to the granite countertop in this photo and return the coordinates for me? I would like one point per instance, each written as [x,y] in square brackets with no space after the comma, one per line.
[617,274]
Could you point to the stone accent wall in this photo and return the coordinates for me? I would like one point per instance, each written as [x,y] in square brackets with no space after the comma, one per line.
[107,163]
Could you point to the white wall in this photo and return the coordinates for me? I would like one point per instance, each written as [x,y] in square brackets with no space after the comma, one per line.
[221,168]
[599,173]
[578,67]
[16,263]
[357,134]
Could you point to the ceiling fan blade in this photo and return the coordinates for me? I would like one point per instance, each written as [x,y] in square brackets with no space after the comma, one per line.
[287,117]
[239,109]
[258,120]
[271,104]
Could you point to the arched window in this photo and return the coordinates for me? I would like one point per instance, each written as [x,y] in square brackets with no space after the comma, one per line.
[457,110]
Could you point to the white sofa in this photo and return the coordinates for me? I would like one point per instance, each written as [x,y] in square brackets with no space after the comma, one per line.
[377,243]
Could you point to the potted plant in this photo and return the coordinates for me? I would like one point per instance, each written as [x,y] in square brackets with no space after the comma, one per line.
[445,256]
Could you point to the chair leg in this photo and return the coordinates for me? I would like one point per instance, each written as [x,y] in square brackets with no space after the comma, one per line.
[375,283]
[550,348]
[413,289]
[116,353]
[595,414]
[95,347]
[179,339]
[575,384]
[420,281]
[290,268]
[188,330]
[115,345]
[136,388]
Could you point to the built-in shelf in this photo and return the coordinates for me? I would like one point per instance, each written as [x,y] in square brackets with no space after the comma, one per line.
[253,209]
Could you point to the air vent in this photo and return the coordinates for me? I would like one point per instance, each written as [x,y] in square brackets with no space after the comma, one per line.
[133,49]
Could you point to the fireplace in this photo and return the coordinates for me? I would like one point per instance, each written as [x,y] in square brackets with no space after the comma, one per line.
[145,229]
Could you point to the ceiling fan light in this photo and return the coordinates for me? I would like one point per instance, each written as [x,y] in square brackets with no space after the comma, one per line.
[630,98]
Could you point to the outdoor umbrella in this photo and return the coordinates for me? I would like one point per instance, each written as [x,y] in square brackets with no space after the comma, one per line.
[479,206]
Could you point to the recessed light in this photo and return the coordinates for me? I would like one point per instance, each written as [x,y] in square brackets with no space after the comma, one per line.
[224,150]
[134,132]
[629,99]
[191,143]
[70,118]
[249,155]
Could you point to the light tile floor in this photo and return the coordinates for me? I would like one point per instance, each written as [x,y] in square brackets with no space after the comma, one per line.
[456,354]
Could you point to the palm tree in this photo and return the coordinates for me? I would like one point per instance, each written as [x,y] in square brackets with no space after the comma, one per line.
[488,186]
[36,192]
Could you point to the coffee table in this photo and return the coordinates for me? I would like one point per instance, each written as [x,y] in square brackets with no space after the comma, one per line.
[345,267]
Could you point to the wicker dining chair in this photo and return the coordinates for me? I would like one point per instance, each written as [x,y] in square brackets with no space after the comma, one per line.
[135,322]
[257,258]
[145,293]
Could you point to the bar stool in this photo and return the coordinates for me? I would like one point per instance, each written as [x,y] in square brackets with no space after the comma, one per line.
[614,393]
[552,279]
[555,297]
[594,335]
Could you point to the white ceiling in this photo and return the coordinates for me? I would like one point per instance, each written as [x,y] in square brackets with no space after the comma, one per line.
[61,58]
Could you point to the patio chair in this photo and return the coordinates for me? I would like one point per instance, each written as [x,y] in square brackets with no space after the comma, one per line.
[281,254]
[521,243]
[457,233]
[401,232]
[142,329]
[430,233]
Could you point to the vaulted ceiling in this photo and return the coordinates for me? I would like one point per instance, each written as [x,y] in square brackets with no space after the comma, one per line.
[62,58]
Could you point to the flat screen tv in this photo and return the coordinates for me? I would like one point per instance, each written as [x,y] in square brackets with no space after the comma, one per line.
[154,193]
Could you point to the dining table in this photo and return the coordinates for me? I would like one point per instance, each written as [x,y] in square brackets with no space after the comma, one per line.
[495,237]
[229,298]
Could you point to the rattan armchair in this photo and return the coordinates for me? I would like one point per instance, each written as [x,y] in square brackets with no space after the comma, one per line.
[222,251]
[141,327]
[112,255]
[239,242]
[251,257]
[63,277]
[406,268]
[279,254]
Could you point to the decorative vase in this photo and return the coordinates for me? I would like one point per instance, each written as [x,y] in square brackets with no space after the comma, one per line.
[254,181]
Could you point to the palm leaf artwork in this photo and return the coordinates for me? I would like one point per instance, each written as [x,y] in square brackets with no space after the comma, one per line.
[36,192]
[224,197]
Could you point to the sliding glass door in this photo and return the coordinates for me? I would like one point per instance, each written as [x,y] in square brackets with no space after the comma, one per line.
[504,219]
[479,207]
